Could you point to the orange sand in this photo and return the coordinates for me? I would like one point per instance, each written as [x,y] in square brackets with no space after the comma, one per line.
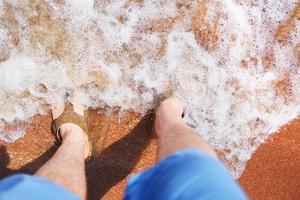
[274,170]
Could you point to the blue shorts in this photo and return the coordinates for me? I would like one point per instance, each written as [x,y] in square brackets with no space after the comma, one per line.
[186,174]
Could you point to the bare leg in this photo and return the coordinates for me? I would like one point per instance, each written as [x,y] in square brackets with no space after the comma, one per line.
[67,166]
[173,133]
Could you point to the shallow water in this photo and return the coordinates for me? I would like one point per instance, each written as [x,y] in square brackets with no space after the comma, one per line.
[234,62]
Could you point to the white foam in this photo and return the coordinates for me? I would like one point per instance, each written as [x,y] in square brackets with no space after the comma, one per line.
[11,136]
[140,50]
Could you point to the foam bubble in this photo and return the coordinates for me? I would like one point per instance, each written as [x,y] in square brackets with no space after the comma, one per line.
[221,57]
[13,134]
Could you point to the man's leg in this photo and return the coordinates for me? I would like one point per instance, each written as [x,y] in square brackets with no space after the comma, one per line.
[187,167]
[67,166]
[173,133]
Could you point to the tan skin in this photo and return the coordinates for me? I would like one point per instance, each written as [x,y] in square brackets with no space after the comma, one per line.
[67,166]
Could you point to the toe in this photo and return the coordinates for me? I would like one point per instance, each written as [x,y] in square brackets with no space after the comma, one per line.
[57,109]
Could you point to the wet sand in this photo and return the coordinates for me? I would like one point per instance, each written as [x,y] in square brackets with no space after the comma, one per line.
[129,147]
[274,170]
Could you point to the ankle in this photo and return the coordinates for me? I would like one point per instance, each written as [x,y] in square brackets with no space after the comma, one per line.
[169,128]
[77,148]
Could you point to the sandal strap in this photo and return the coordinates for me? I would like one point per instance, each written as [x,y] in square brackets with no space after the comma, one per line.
[69,116]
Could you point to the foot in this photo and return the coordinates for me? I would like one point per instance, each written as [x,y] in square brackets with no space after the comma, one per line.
[72,133]
[168,115]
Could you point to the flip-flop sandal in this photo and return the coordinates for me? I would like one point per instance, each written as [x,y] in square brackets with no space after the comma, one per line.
[69,116]
[154,113]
